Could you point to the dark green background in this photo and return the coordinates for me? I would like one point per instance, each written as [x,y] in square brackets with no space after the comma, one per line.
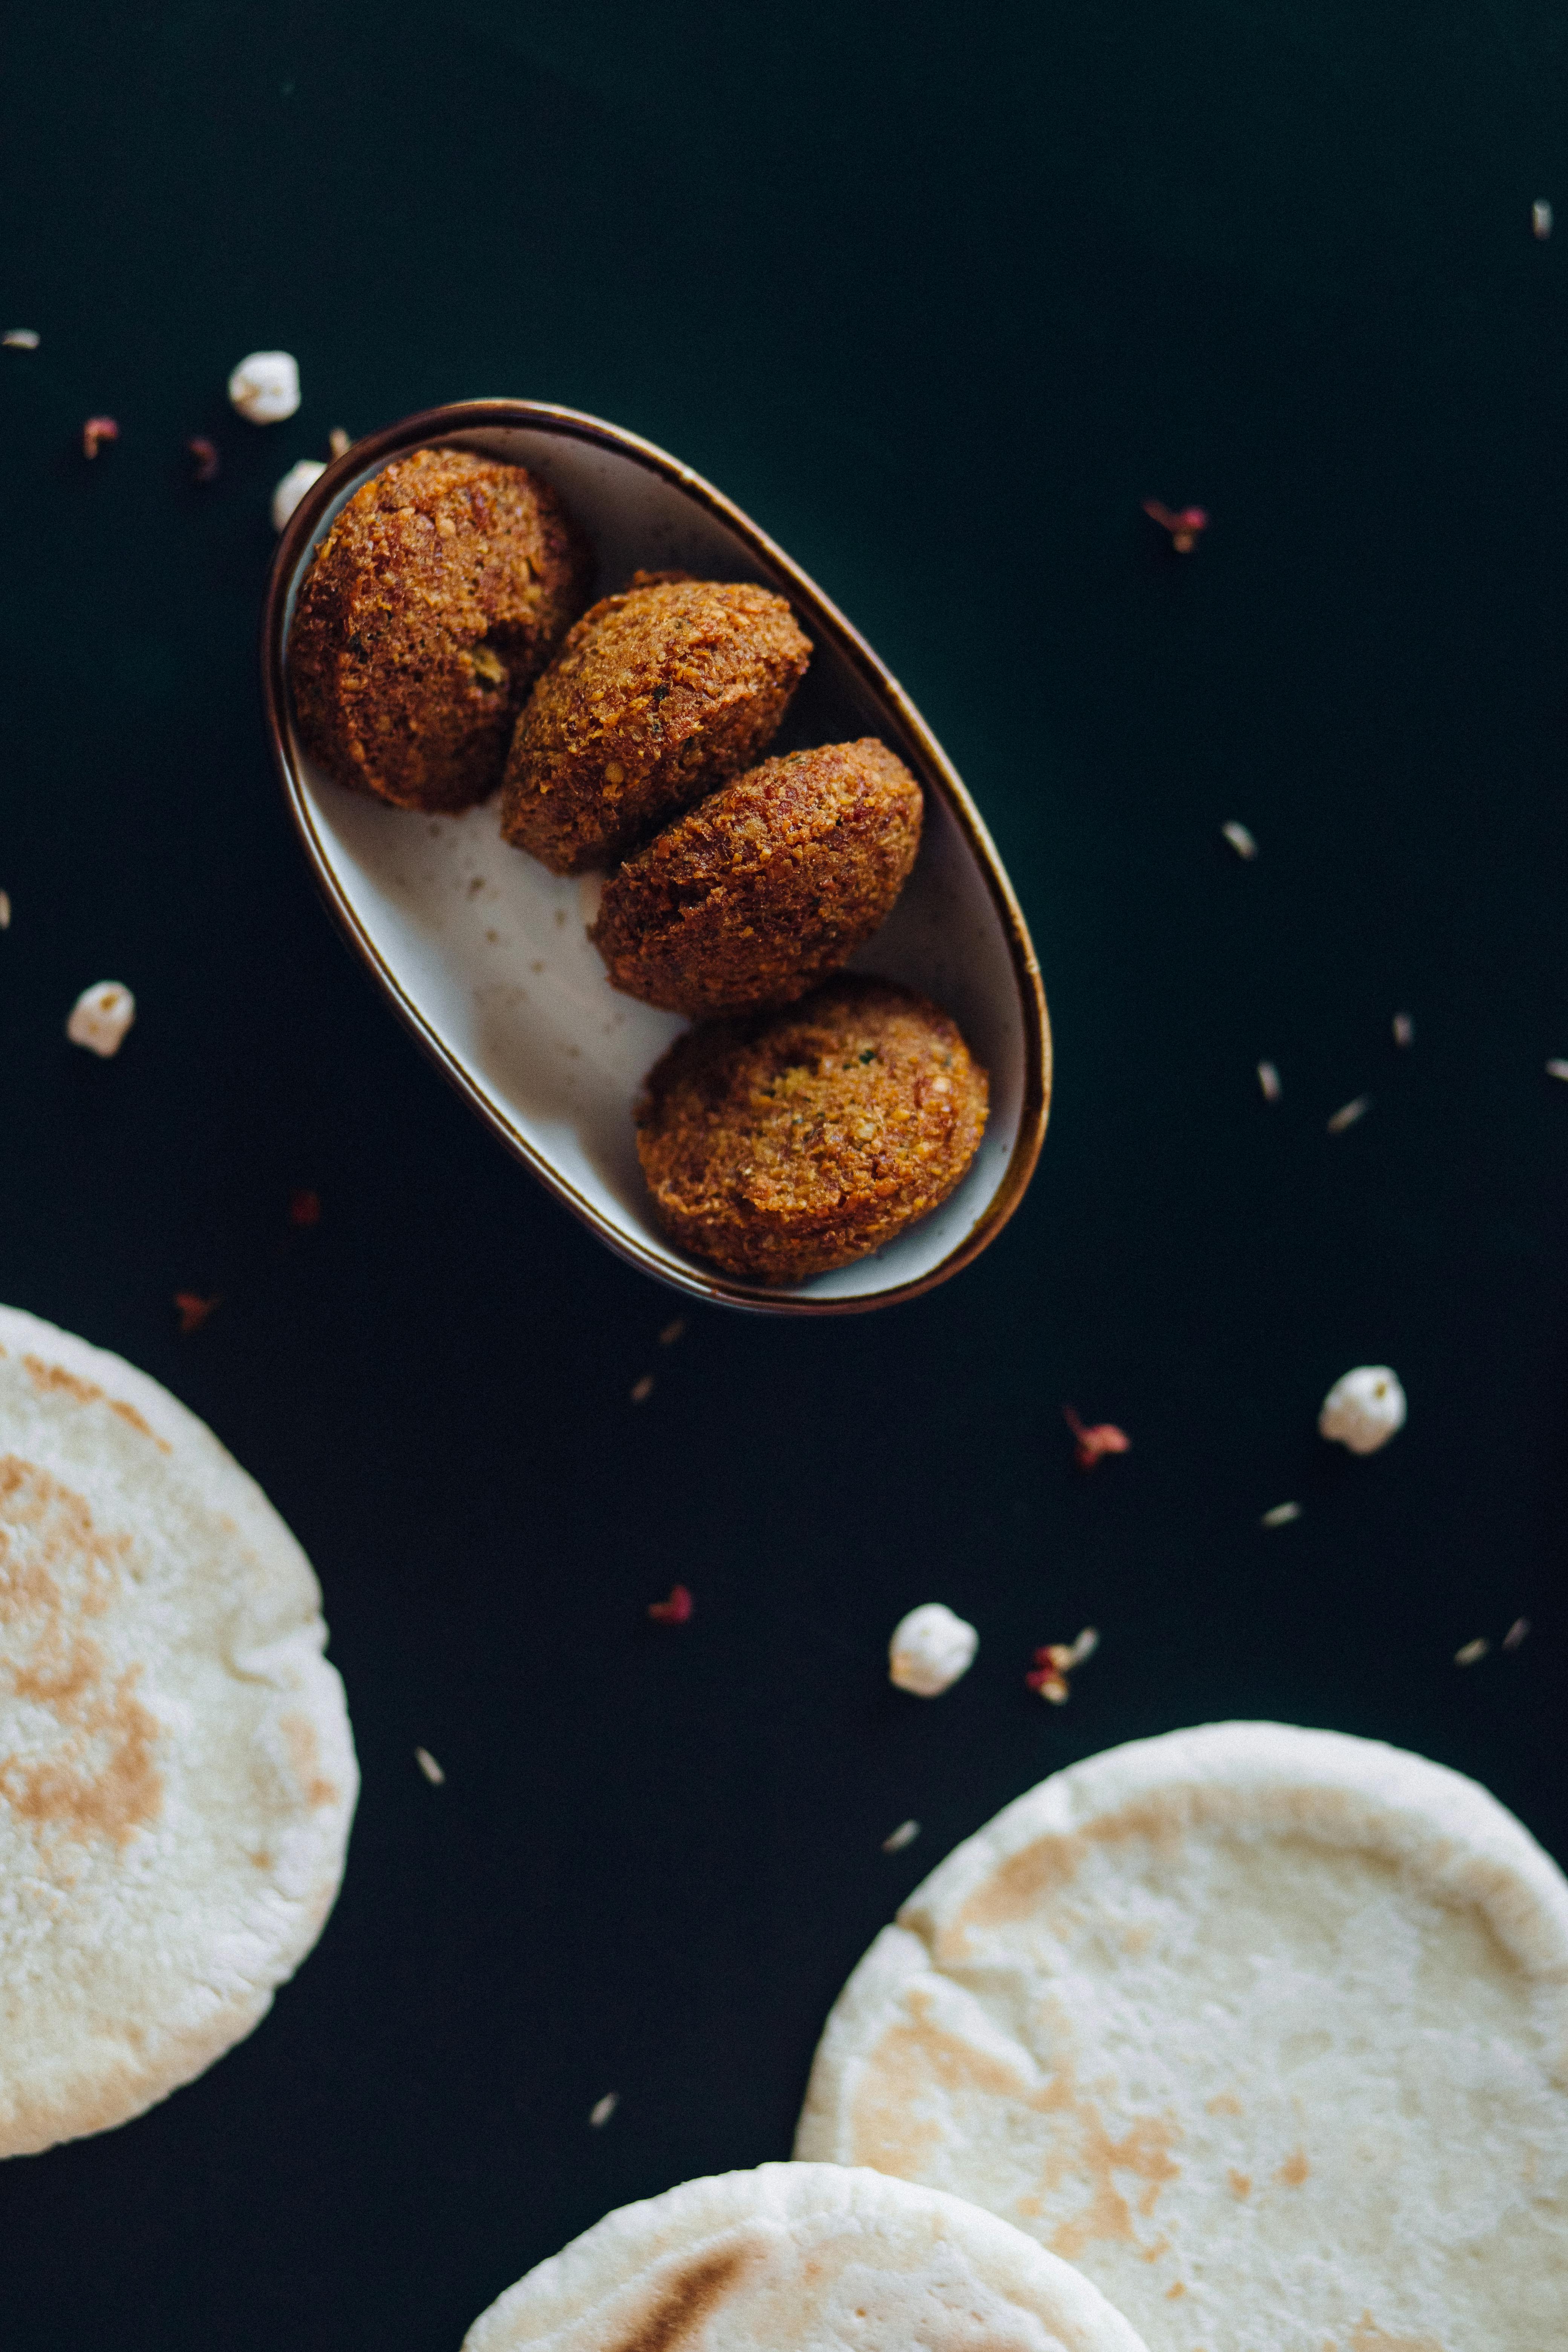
[938,296]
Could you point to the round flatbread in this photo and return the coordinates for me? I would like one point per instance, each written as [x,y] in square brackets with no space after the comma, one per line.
[176,1771]
[801,2255]
[1267,2029]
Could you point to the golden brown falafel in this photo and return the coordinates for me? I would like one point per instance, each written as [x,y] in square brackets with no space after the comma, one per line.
[781,1145]
[768,885]
[656,695]
[432,604]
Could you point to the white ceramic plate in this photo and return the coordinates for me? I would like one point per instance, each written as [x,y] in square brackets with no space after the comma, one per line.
[484,954]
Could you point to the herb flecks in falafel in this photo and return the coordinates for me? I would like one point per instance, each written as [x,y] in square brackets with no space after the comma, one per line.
[783,1145]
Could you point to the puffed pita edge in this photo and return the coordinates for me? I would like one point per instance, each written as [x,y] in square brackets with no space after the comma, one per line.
[645,2240]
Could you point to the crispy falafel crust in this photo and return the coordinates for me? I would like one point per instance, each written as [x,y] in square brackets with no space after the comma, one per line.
[766,886]
[434,602]
[656,695]
[781,1145]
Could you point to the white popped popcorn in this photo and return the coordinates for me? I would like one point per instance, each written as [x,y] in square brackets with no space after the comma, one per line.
[1240,840]
[929,1650]
[292,488]
[1364,1408]
[265,388]
[100,1017]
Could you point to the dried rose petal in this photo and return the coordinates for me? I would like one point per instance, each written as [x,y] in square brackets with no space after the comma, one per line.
[676,1611]
[96,432]
[193,1310]
[203,456]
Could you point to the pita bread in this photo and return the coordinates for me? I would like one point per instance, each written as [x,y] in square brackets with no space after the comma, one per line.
[799,2256]
[1267,2029]
[176,1771]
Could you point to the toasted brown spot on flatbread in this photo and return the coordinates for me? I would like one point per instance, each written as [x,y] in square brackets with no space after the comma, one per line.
[1227,2103]
[888,2135]
[1241,2182]
[54,1379]
[686,2301]
[1366,2336]
[98,1777]
[45,1377]
[102,1783]
[305,1755]
[1294,2170]
[128,1413]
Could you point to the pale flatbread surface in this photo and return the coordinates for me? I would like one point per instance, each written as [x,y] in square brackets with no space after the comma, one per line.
[176,1771]
[1266,2029]
[802,2258]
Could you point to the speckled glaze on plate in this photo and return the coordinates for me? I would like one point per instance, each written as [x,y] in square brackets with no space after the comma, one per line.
[484,955]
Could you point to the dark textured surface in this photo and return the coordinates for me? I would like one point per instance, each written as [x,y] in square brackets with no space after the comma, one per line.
[939,298]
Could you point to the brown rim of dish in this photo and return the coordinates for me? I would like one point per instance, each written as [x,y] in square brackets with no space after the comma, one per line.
[820,614]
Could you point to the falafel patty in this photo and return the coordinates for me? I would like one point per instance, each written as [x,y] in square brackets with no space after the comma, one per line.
[432,604]
[656,695]
[781,1145]
[768,885]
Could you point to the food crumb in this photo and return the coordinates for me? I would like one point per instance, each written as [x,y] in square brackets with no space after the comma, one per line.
[1281,1515]
[1091,1445]
[338,442]
[1268,1079]
[600,2111]
[4,910]
[203,456]
[676,1611]
[673,1331]
[265,387]
[1473,1652]
[642,1390]
[1240,838]
[100,1017]
[1403,1029]
[1516,1633]
[897,1840]
[429,1766]
[1540,223]
[22,339]
[1055,1661]
[1364,1408]
[930,1649]
[1557,1069]
[1184,526]
[290,491]
[193,1310]
[96,435]
[1347,1114]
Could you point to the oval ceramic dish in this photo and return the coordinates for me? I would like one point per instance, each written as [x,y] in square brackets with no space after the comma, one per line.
[484,955]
